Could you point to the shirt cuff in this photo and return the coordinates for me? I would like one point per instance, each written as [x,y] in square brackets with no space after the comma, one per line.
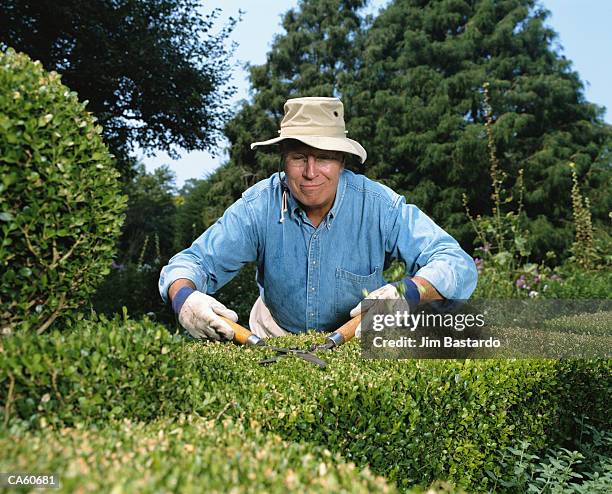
[441,277]
[169,276]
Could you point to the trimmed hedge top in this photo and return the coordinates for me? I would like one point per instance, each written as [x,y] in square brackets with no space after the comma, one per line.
[188,455]
[411,421]
[60,203]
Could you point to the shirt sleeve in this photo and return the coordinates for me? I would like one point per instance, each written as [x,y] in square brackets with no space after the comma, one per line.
[217,255]
[429,252]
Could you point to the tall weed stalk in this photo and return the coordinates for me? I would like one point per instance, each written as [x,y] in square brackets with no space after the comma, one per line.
[503,240]
[583,248]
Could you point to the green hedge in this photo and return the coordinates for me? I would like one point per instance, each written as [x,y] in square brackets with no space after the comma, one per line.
[104,370]
[189,455]
[410,421]
[60,203]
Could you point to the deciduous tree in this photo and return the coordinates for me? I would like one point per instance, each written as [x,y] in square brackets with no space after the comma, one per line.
[154,71]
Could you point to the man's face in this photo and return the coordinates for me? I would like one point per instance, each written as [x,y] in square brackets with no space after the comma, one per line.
[312,175]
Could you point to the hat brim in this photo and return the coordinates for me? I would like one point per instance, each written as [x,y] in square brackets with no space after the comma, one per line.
[343,144]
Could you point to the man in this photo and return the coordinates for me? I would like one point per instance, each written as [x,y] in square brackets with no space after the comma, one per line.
[321,236]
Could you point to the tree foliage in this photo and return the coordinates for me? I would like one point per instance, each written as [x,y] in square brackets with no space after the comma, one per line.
[421,111]
[153,71]
[145,245]
[202,202]
[147,235]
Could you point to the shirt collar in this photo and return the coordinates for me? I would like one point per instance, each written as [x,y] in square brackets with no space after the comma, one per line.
[340,191]
[294,208]
[297,213]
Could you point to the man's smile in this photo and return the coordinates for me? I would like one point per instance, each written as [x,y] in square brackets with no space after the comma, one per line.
[310,187]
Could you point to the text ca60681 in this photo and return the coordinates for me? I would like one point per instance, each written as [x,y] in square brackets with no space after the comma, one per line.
[32,480]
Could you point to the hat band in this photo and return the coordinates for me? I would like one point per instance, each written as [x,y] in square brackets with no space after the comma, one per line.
[313,131]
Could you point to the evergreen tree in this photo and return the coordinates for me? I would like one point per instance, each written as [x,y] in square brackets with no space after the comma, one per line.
[419,111]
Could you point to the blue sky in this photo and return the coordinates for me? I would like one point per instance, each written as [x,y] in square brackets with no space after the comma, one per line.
[583,27]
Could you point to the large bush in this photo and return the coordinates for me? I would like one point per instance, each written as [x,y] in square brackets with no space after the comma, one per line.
[60,208]
[411,421]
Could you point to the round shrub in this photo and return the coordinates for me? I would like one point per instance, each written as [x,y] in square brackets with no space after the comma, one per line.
[60,203]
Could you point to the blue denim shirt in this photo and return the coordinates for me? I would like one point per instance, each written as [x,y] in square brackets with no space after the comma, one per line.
[310,278]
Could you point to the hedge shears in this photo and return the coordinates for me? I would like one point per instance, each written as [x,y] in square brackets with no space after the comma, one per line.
[343,334]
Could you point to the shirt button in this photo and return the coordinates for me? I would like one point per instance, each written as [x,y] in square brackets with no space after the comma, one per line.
[312,289]
[314,236]
[314,262]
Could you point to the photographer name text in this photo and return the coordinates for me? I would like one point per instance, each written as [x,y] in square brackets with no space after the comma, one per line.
[427,342]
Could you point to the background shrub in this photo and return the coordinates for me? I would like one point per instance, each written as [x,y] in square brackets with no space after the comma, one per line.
[240,293]
[133,286]
[573,283]
[586,469]
[60,208]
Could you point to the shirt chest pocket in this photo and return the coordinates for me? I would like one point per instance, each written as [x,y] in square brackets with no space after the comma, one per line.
[350,289]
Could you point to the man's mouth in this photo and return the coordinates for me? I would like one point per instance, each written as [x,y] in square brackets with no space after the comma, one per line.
[310,186]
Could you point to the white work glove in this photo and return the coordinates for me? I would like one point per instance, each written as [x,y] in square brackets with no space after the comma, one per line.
[200,316]
[386,292]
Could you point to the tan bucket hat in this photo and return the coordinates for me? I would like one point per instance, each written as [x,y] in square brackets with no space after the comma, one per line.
[317,122]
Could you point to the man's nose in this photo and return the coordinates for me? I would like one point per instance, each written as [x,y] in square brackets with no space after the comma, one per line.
[310,170]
